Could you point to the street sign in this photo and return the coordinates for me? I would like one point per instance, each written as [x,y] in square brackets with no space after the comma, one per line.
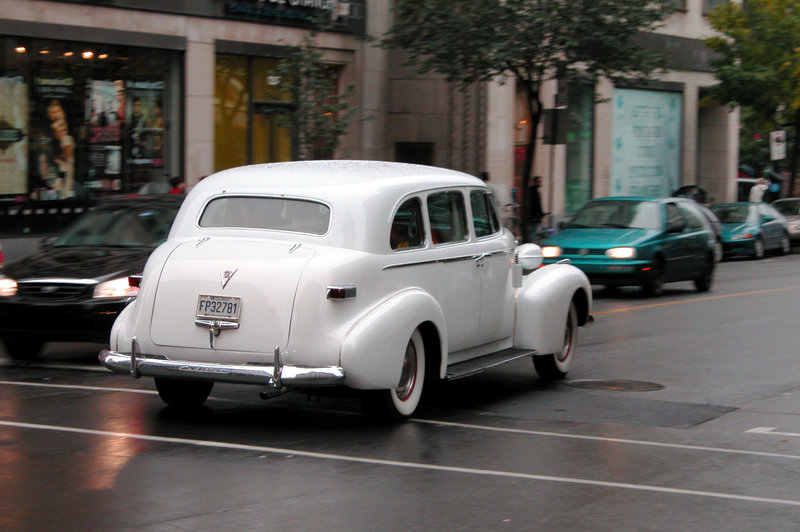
[777,145]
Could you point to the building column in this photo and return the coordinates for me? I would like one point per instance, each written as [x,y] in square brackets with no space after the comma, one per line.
[199,134]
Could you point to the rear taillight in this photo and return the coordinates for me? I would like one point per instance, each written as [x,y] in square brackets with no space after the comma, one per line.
[341,292]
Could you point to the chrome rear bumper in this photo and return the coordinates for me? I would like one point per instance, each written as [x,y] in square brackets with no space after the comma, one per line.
[276,375]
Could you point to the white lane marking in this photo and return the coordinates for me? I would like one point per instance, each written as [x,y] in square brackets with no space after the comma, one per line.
[772,431]
[77,387]
[408,465]
[763,430]
[613,440]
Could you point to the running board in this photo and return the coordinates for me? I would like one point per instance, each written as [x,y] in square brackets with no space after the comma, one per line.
[492,360]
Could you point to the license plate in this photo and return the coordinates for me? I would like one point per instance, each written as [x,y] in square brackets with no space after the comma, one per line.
[219,307]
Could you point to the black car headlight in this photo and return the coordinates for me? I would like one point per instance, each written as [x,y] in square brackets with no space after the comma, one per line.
[8,286]
[115,288]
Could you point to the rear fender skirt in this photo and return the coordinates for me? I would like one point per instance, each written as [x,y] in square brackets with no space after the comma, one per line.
[373,349]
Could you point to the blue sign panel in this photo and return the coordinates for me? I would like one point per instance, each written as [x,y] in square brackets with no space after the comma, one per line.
[646,154]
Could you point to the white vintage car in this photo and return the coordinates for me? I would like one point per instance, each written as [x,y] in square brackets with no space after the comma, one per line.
[369,275]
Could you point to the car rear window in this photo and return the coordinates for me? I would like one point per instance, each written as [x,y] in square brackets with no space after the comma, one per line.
[279,214]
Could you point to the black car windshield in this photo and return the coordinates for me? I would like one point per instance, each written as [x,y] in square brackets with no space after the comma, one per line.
[731,214]
[788,207]
[623,214]
[124,227]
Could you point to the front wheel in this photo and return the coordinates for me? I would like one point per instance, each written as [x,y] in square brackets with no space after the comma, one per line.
[183,394]
[655,284]
[758,249]
[401,401]
[786,245]
[556,365]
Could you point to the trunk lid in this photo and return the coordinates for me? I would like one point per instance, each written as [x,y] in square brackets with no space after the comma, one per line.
[260,276]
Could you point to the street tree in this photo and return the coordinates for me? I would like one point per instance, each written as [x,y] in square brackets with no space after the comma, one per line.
[758,63]
[531,41]
[319,114]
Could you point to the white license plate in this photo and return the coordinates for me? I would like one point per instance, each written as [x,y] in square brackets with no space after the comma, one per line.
[219,307]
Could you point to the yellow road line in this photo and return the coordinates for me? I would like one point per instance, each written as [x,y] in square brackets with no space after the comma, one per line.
[696,299]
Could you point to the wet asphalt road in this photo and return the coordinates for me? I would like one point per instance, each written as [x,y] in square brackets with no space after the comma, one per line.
[712,440]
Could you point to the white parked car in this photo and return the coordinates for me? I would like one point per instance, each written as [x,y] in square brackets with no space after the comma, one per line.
[370,275]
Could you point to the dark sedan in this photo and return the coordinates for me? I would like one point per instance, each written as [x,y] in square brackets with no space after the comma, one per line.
[74,288]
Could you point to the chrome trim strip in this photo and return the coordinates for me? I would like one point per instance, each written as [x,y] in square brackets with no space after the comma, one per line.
[452,259]
[404,264]
[290,375]
[49,280]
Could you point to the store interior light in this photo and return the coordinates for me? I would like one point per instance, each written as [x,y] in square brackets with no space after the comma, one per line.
[102,56]
[44,51]
[69,54]
[87,54]
[20,49]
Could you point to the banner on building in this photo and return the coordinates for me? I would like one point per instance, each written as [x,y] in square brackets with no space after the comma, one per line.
[145,123]
[646,151]
[52,136]
[13,136]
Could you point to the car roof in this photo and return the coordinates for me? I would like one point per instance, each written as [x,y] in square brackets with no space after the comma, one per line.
[362,194]
[343,176]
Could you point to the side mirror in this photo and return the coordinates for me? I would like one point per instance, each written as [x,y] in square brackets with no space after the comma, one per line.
[529,256]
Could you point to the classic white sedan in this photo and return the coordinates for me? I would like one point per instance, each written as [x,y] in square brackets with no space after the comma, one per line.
[370,275]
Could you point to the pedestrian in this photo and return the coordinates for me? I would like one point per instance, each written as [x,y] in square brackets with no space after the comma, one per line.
[177,184]
[535,211]
[757,191]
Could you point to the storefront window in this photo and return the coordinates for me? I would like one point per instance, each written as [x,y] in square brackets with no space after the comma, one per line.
[250,97]
[80,119]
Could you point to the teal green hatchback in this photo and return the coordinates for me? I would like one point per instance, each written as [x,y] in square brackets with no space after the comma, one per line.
[626,241]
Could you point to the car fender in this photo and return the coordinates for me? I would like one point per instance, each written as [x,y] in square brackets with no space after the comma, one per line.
[122,330]
[373,349]
[542,306]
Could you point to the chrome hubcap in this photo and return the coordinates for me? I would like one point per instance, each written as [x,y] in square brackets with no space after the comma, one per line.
[409,373]
[568,339]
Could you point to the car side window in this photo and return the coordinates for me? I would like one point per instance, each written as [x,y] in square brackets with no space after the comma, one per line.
[447,216]
[407,228]
[692,219]
[484,216]
[673,216]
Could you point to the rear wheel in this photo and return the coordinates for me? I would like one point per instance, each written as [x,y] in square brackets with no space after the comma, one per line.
[20,349]
[183,394]
[556,365]
[401,401]
[703,283]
